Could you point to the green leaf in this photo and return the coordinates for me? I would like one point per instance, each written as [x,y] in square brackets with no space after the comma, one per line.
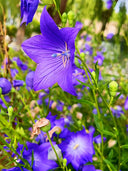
[105,132]
[97,71]
[124,146]
[97,122]
[110,164]
[84,101]
[85,84]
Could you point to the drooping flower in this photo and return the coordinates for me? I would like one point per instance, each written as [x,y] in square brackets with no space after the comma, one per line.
[28,9]
[53,51]
[5,85]
[126,104]
[78,149]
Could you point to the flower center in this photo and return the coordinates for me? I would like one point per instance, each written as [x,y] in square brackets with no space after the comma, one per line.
[65,55]
[76,146]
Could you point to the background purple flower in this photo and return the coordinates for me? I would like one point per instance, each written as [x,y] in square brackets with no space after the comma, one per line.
[126,104]
[110,36]
[29,80]
[99,57]
[5,85]
[109,4]
[18,83]
[28,9]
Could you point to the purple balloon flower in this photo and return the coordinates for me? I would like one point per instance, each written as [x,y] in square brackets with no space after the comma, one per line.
[29,80]
[18,83]
[20,64]
[126,104]
[28,9]
[5,85]
[78,149]
[110,36]
[53,51]
[99,58]
[109,4]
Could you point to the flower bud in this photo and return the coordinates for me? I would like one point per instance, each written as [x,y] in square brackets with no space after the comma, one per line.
[70,22]
[10,110]
[71,15]
[79,123]
[64,162]
[113,87]
[64,17]
[82,55]
[46,128]
[5,85]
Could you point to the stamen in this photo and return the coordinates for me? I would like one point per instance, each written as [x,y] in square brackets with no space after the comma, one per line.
[76,146]
[65,55]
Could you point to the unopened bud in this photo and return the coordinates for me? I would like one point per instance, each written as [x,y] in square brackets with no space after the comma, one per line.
[64,162]
[70,22]
[82,55]
[71,15]
[113,87]
[79,123]
[10,110]
[64,17]
[46,128]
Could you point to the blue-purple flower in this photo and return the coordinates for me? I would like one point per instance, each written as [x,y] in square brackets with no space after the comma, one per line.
[20,64]
[5,85]
[18,83]
[99,58]
[28,9]
[29,80]
[126,104]
[117,111]
[110,36]
[109,4]
[78,149]
[53,51]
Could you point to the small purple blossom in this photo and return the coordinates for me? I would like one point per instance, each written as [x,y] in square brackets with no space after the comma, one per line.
[126,104]
[117,111]
[5,85]
[53,51]
[110,36]
[88,49]
[78,149]
[18,83]
[98,139]
[28,9]
[109,4]
[14,72]
[20,64]
[7,99]
[99,57]
[88,168]
[29,80]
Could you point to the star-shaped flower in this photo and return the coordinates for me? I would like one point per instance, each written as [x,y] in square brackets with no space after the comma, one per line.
[53,51]
[78,149]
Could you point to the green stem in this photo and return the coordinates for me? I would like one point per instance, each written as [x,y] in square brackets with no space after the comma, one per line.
[53,147]
[57,9]
[96,102]
[4,101]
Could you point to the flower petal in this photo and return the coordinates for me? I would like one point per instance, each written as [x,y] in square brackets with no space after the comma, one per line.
[49,29]
[52,71]
[39,47]
[69,35]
